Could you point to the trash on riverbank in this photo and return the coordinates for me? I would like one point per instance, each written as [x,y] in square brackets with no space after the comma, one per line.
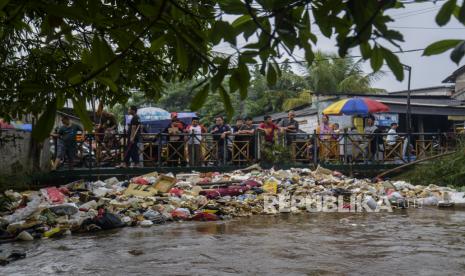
[154,199]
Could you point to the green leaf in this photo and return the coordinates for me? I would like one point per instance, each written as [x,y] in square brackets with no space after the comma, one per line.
[222,29]
[81,111]
[101,53]
[217,79]
[445,13]
[200,98]
[393,62]
[441,46]
[3,3]
[234,81]
[226,101]
[241,20]
[181,54]
[147,10]
[461,16]
[60,101]
[244,80]
[108,82]
[44,125]
[376,59]
[365,50]
[458,52]
[157,43]
[114,70]
[271,75]
[233,6]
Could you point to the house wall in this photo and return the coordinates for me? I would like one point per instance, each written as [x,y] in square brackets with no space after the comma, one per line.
[460,83]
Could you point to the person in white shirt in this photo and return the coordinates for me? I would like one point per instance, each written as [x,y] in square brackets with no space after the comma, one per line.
[392,136]
[195,138]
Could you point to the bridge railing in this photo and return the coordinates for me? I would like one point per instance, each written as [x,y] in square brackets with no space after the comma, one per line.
[193,150]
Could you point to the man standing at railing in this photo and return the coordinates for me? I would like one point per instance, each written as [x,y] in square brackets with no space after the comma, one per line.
[269,128]
[220,131]
[132,150]
[290,126]
[195,138]
[67,145]
[374,140]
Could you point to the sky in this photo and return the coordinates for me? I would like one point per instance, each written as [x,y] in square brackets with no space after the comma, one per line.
[417,23]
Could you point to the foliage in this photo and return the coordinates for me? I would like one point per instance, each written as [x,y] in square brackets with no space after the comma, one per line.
[329,74]
[446,171]
[80,50]
[304,97]
[275,154]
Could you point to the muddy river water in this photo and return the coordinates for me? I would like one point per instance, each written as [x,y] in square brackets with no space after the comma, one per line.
[421,241]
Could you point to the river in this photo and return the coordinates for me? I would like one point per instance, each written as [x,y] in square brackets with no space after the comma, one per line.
[423,241]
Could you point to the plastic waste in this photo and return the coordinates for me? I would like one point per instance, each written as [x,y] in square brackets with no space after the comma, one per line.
[88,205]
[270,186]
[25,236]
[22,213]
[53,232]
[53,195]
[150,214]
[371,202]
[429,201]
[146,223]
[67,209]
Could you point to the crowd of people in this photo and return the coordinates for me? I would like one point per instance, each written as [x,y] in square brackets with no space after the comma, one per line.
[239,141]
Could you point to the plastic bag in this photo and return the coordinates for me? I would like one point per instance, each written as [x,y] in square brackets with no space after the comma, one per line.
[53,195]
[67,209]
[270,186]
[23,213]
[108,221]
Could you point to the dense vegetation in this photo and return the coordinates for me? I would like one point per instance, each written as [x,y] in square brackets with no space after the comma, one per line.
[328,74]
[53,51]
[445,171]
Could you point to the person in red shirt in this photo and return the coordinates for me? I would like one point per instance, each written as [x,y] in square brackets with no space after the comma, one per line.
[269,128]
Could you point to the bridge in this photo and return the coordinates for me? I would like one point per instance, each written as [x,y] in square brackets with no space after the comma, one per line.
[351,153]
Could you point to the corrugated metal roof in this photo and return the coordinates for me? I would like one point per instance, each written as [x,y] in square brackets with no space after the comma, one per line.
[280,115]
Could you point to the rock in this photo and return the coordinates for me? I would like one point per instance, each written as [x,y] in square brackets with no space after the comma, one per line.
[136,252]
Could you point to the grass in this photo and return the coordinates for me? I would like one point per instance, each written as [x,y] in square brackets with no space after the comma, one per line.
[445,171]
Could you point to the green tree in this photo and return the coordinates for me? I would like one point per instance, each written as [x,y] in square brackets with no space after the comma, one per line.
[54,50]
[330,74]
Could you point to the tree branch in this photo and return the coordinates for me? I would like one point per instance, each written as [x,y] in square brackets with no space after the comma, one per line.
[124,52]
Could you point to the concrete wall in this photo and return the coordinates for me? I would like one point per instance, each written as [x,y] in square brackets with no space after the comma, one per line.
[16,153]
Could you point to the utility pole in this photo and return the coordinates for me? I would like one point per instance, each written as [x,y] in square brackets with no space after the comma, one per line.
[408,114]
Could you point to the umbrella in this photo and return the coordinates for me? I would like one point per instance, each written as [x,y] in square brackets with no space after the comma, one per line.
[153,114]
[355,106]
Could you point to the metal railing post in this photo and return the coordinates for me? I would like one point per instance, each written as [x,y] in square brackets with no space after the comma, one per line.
[344,147]
[315,150]
[160,149]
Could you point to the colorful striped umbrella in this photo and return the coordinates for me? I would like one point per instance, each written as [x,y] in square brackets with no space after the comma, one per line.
[355,106]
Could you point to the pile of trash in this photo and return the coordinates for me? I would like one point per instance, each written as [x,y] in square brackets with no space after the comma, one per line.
[156,199]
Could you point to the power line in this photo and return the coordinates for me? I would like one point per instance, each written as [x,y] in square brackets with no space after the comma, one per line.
[348,57]
[418,13]
[427,28]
